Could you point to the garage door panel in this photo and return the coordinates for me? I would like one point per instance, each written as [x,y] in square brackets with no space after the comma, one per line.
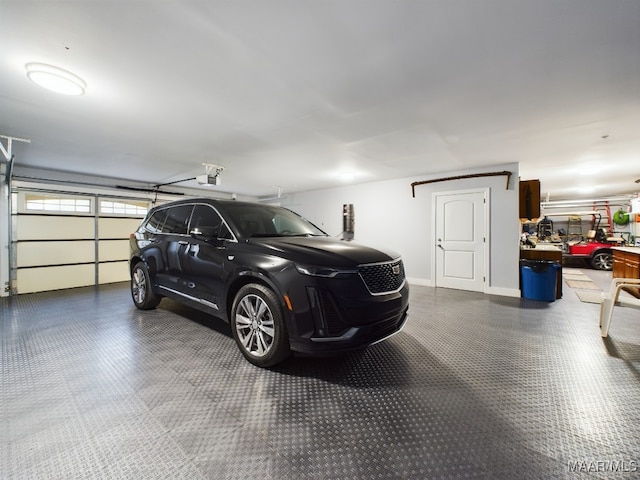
[43,227]
[110,250]
[117,227]
[54,253]
[41,279]
[113,272]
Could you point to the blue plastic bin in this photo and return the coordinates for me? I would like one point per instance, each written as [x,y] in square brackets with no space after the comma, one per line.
[539,280]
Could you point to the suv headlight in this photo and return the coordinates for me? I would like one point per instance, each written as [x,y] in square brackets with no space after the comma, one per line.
[327,272]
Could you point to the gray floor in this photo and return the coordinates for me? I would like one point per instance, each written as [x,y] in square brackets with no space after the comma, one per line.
[475,386]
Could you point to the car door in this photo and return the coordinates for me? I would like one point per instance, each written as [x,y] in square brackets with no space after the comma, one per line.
[174,242]
[204,260]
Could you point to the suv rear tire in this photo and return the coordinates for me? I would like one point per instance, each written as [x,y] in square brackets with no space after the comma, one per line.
[143,296]
[258,327]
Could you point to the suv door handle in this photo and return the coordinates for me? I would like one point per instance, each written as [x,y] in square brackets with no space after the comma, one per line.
[183,242]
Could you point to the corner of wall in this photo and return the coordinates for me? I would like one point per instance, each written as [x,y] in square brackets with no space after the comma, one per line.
[422,282]
[4,233]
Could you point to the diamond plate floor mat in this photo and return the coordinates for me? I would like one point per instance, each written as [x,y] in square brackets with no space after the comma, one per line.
[475,386]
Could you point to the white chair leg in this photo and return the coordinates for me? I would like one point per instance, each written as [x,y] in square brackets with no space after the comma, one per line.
[609,301]
[606,311]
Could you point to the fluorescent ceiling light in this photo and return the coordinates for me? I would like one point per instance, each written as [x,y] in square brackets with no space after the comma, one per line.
[589,171]
[55,79]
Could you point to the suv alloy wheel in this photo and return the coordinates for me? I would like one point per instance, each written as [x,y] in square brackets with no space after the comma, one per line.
[141,291]
[258,327]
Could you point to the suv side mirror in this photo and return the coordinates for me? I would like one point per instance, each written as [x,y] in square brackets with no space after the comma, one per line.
[205,233]
[208,234]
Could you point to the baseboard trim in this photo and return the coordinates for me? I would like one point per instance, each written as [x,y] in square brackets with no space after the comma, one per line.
[503,292]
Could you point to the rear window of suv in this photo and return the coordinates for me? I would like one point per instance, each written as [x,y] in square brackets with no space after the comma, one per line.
[170,220]
[155,222]
[177,220]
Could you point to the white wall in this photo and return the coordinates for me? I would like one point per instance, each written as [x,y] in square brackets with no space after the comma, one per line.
[387,216]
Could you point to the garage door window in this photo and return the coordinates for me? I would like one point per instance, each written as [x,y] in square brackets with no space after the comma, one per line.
[122,207]
[44,203]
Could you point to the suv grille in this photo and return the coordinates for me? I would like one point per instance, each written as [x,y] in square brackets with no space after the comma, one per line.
[381,278]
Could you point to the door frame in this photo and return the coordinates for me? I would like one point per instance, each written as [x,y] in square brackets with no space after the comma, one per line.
[486,192]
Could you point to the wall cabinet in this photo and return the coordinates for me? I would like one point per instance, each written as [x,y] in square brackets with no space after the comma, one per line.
[529,199]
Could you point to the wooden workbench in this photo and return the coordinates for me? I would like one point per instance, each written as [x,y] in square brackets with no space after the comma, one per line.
[626,264]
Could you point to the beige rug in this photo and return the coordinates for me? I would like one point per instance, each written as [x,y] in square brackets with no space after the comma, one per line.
[574,276]
[583,285]
[573,271]
[589,296]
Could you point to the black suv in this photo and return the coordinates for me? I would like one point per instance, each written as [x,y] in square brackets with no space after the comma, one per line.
[281,282]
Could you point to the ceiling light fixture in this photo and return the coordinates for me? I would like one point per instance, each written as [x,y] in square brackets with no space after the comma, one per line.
[347,176]
[55,79]
[589,171]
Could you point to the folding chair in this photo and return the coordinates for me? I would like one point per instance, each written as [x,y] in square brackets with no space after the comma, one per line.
[612,299]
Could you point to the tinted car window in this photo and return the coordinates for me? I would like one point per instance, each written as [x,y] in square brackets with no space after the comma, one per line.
[154,224]
[177,219]
[266,221]
[206,220]
[225,232]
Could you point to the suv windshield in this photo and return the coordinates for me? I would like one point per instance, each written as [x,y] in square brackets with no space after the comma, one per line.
[268,221]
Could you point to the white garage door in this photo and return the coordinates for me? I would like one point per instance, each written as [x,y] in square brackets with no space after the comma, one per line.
[66,240]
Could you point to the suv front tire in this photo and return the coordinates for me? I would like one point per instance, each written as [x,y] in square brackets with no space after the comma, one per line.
[257,325]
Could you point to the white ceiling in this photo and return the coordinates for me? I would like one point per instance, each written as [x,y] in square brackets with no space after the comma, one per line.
[294,93]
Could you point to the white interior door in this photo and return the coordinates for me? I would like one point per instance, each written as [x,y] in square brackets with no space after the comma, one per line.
[460,243]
